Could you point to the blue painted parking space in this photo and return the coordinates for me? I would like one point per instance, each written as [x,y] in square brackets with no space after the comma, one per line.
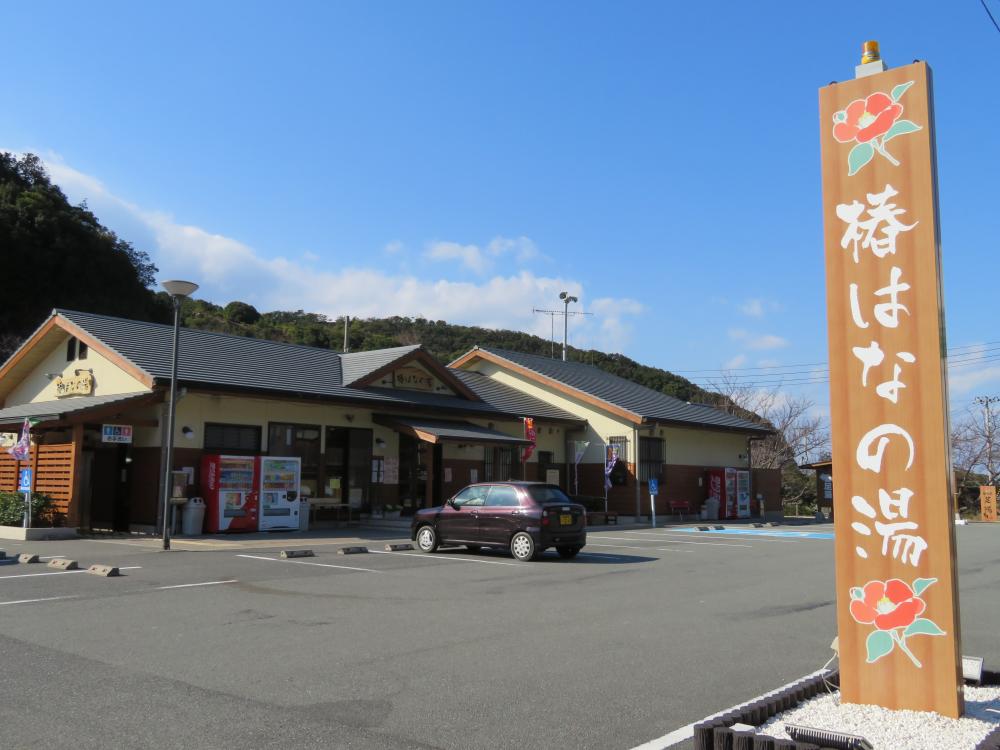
[765,532]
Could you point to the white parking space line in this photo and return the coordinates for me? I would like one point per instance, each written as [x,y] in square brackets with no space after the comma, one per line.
[32,601]
[303,562]
[60,572]
[601,555]
[190,585]
[687,732]
[671,541]
[644,549]
[433,558]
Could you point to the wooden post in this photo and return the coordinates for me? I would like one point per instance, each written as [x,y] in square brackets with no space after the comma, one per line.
[897,595]
[74,515]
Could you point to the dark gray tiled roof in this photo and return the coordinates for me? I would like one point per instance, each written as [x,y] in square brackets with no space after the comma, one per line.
[645,402]
[227,361]
[357,365]
[446,429]
[47,410]
[510,399]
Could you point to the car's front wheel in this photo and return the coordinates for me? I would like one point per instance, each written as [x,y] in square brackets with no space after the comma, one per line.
[568,551]
[427,539]
[522,546]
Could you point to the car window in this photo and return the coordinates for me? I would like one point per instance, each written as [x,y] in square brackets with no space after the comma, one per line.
[471,496]
[547,493]
[503,495]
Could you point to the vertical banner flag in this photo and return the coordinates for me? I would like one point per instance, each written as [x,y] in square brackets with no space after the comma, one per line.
[21,450]
[579,449]
[609,466]
[529,434]
[897,598]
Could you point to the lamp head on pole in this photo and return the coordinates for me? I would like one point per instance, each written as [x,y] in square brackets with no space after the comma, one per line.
[180,288]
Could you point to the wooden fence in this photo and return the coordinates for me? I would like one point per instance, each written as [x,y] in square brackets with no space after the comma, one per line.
[52,467]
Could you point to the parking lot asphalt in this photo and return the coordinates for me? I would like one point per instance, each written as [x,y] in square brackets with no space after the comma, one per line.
[225,645]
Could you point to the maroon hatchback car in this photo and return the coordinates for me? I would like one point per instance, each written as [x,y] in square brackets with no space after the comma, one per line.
[525,517]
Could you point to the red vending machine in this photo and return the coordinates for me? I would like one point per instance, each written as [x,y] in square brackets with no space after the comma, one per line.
[229,487]
[731,489]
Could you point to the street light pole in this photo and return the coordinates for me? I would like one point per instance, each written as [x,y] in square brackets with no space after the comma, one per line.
[566,298]
[177,290]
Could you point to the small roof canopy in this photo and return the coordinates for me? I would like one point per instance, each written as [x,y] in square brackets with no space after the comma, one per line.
[445,430]
[73,409]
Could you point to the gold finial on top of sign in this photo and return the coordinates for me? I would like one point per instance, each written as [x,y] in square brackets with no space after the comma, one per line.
[869,52]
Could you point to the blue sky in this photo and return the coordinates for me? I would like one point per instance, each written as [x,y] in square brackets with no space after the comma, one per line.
[467,161]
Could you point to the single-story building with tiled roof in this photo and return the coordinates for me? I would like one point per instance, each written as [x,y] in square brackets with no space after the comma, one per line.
[391,427]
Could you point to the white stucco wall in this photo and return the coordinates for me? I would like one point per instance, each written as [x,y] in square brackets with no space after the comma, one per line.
[38,386]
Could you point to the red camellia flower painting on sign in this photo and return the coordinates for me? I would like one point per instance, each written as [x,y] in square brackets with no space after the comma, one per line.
[894,608]
[870,123]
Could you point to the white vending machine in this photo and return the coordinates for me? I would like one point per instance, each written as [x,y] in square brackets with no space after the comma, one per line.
[279,493]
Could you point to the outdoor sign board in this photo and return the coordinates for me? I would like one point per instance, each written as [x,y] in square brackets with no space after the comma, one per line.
[654,486]
[413,378]
[988,502]
[24,480]
[897,599]
[81,384]
[116,433]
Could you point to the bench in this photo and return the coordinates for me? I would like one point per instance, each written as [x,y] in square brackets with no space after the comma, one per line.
[679,507]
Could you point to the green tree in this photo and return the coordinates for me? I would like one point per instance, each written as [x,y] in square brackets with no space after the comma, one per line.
[55,254]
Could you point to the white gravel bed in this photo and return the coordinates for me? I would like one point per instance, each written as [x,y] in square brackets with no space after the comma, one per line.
[897,730]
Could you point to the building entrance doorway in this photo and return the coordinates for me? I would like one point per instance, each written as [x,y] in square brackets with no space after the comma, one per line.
[414,458]
[108,466]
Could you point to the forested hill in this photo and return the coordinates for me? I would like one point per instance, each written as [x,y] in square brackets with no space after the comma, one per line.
[446,341]
[56,254]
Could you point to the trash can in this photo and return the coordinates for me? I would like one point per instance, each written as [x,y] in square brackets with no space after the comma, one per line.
[712,508]
[193,517]
[303,515]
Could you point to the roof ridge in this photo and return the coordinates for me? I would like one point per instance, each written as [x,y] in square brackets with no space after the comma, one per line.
[203,331]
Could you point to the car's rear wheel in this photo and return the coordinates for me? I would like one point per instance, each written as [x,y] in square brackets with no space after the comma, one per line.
[427,539]
[522,546]
[568,551]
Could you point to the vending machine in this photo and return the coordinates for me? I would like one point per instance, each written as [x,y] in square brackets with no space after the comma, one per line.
[731,489]
[279,492]
[229,487]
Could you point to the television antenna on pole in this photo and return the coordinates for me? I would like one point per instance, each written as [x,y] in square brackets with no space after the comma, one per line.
[566,312]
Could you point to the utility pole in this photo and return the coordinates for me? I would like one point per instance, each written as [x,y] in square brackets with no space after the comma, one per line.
[989,432]
[552,316]
[347,328]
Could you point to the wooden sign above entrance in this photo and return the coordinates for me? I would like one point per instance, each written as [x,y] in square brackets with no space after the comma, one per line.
[897,600]
[413,378]
[81,384]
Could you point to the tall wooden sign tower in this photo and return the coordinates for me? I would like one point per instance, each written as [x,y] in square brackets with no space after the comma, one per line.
[897,595]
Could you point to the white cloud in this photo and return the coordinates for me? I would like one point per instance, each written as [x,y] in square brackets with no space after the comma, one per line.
[470,256]
[753,307]
[393,248]
[228,269]
[738,361]
[758,342]
[480,260]
[972,369]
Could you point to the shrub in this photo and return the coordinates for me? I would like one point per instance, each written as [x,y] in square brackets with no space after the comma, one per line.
[12,508]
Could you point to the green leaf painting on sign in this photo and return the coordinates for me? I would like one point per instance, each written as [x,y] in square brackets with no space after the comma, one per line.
[901,127]
[859,156]
[879,644]
[857,593]
[921,584]
[898,91]
[922,626]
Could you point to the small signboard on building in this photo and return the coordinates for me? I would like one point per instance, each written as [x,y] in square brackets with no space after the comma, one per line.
[80,384]
[116,433]
[988,502]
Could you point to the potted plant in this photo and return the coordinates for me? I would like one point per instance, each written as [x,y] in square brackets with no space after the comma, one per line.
[391,511]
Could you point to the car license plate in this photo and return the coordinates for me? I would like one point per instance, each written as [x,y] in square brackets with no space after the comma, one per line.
[566,520]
